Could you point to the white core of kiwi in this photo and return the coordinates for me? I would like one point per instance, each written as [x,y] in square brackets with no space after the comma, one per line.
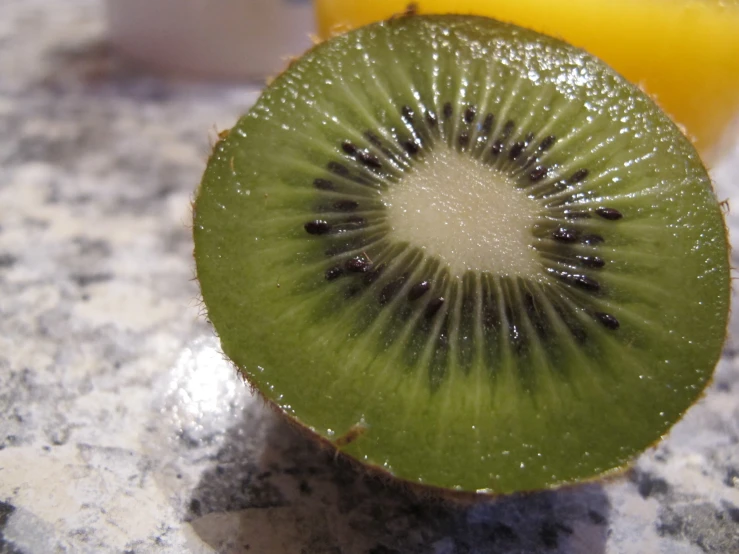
[466,213]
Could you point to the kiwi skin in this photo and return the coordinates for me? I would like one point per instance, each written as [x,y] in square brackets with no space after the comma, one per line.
[423,492]
[218,148]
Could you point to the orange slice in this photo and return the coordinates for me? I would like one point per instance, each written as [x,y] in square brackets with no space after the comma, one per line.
[685,53]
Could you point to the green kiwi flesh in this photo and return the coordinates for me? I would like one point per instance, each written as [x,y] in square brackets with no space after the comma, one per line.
[465,253]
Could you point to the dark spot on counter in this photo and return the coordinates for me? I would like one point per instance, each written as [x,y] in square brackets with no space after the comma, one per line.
[548,535]
[6,547]
[58,435]
[7,260]
[5,510]
[85,279]
[722,386]
[382,549]
[704,525]
[92,247]
[731,511]
[732,477]
[188,440]
[503,532]
[195,507]
[596,517]
[648,485]
[550,531]
[305,488]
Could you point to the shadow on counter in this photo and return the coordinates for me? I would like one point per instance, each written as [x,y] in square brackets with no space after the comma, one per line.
[298,498]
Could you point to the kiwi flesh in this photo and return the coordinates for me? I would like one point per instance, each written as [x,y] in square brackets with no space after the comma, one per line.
[467,254]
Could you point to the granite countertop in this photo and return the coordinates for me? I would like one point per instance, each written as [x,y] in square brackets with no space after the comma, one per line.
[122,427]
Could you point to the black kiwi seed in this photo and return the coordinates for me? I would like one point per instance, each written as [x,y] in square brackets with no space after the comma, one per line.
[508,128]
[565,235]
[463,139]
[348,147]
[346,205]
[352,291]
[577,331]
[323,184]
[538,173]
[574,214]
[352,223]
[334,273]
[516,150]
[373,138]
[469,114]
[591,261]
[584,282]
[411,146]
[317,227]
[447,110]
[572,323]
[592,239]
[535,315]
[418,290]
[377,142]
[374,274]
[490,316]
[547,143]
[559,201]
[487,124]
[407,113]
[579,175]
[338,169]
[433,307]
[608,321]
[431,118]
[389,291]
[609,213]
[368,159]
[357,265]
[497,147]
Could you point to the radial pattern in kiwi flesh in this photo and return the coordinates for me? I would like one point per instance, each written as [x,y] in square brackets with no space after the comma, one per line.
[466,253]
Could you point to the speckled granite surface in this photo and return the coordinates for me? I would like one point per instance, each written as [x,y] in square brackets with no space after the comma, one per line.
[122,429]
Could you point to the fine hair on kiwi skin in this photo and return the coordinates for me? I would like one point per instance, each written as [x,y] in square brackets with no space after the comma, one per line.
[330,217]
[424,493]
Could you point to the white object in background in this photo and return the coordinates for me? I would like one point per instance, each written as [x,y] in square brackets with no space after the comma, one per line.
[211,38]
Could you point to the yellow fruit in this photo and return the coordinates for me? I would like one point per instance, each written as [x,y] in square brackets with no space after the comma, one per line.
[685,53]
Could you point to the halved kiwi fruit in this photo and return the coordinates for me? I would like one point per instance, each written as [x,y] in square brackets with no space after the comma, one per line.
[465,253]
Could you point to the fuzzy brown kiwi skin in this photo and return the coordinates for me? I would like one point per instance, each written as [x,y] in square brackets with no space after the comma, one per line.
[420,490]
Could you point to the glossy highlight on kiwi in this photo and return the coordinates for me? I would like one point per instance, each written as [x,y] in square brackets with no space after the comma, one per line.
[346,236]
[465,239]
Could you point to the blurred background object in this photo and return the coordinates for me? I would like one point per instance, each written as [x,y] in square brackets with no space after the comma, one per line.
[685,53]
[211,38]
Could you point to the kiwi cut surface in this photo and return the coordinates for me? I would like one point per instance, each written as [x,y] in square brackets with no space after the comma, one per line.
[478,245]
